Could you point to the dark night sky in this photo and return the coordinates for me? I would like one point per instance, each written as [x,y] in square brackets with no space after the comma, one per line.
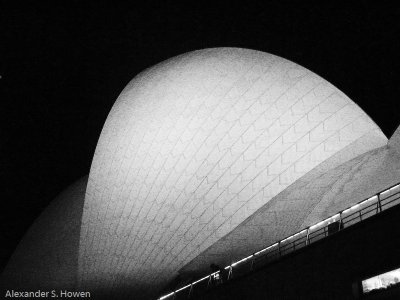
[63,64]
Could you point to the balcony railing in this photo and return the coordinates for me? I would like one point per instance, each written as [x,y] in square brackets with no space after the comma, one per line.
[343,219]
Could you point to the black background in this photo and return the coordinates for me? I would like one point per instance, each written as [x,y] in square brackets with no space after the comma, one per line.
[63,64]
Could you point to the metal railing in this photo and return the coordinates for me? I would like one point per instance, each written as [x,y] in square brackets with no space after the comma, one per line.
[343,219]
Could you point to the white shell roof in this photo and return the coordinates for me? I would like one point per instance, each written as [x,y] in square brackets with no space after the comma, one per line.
[193,147]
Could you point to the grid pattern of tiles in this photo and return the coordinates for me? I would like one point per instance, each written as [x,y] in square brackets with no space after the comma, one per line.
[316,196]
[191,148]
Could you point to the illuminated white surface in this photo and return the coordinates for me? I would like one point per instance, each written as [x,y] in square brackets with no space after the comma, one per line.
[329,188]
[194,146]
[382,281]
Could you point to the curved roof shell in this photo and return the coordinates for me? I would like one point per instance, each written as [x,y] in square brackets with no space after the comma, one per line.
[321,193]
[47,256]
[193,147]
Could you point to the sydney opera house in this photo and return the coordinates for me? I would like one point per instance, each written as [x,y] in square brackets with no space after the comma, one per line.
[204,159]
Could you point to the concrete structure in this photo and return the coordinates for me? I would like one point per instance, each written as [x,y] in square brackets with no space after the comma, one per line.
[193,147]
[211,155]
[394,142]
[319,194]
[47,256]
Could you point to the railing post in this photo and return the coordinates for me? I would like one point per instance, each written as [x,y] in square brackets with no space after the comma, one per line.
[209,281]
[340,221]
[308,236]
[252,263]
[379,202]
[190,290]
[279,248]
[229,273]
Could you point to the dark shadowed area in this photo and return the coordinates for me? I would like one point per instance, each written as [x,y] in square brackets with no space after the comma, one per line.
[50,248]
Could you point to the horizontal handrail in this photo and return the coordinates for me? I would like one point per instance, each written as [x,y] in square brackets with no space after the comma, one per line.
[305,237]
